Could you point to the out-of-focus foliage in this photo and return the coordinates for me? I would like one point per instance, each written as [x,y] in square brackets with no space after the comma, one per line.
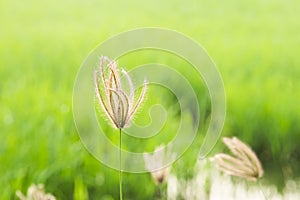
[255,45]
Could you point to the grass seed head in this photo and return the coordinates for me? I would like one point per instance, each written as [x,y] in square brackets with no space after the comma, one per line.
[118,104]
[244,163]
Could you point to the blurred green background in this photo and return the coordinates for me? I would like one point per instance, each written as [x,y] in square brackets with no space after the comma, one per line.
[255,44]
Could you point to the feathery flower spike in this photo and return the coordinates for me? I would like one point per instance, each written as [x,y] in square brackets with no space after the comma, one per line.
[118,104]
[245,163]
[155,164]
[35,192]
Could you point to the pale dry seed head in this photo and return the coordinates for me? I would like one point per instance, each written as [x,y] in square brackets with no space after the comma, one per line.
[244,163]
[117,103]
[35,192]
[155,164]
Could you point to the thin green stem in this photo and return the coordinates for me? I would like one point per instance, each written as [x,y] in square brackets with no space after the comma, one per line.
[120,170]
[161,194]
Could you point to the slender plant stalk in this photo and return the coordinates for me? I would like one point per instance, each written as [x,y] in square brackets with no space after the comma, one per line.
[120,170]
[161,194]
